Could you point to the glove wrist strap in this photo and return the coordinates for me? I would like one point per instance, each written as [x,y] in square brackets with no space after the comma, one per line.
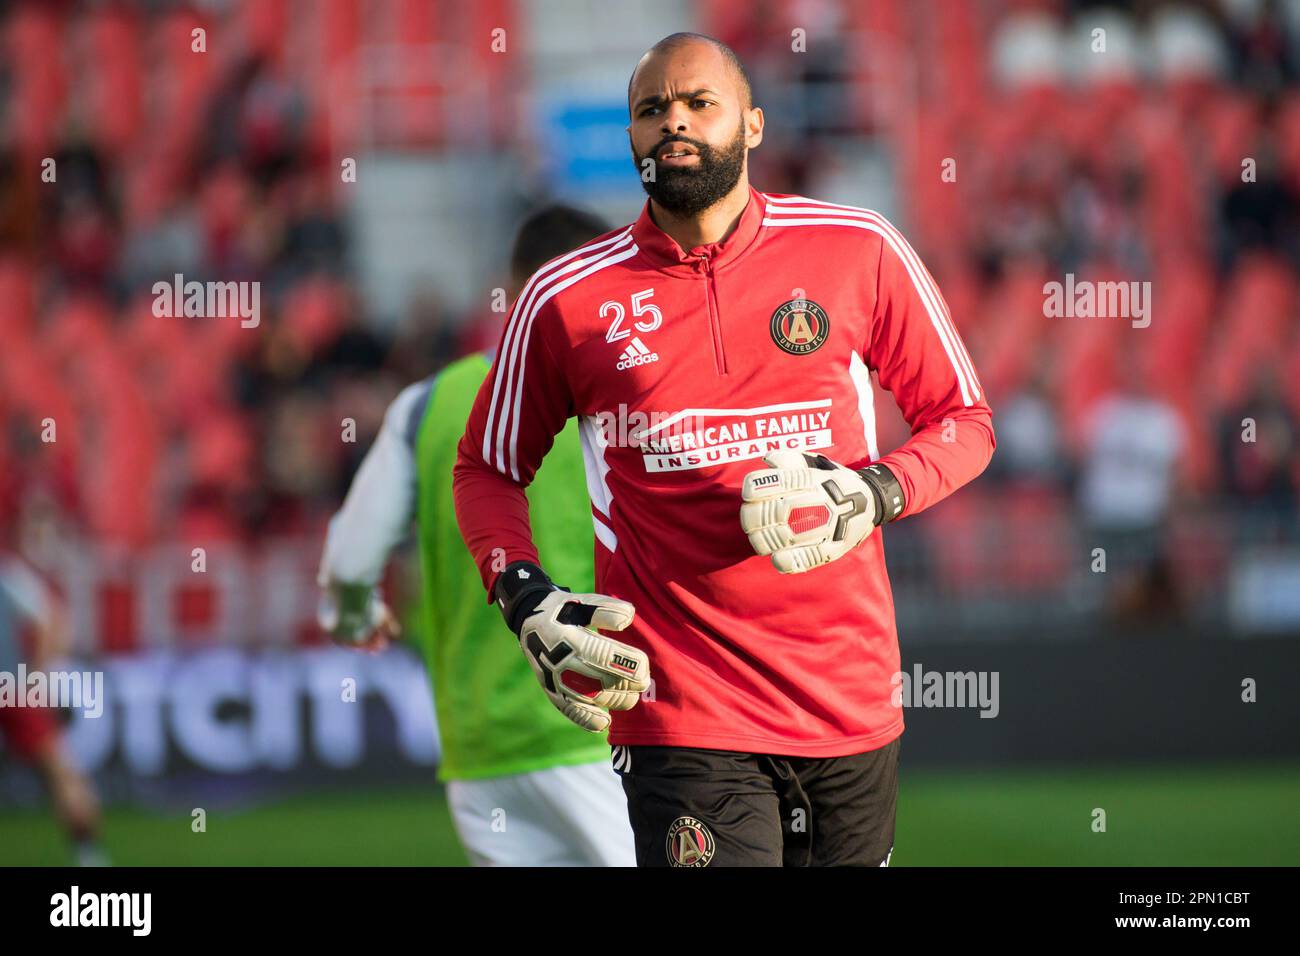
[519,589]
[888,492]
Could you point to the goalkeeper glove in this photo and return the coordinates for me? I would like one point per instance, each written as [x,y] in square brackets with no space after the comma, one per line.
[806,510]
[585,674]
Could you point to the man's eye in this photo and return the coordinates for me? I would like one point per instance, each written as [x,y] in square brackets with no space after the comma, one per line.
[648,110]
[701,102]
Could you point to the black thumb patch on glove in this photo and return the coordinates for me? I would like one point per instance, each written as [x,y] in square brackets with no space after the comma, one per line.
[575,612]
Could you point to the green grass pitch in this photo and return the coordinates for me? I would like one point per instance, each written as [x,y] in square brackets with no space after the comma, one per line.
[1212,816]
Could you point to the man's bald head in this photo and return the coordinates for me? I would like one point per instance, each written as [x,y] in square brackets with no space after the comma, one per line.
[677,40]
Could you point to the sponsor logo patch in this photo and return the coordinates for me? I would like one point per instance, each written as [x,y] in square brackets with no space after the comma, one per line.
[703,437]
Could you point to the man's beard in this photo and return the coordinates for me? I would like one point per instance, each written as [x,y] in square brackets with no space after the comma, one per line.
[689,190]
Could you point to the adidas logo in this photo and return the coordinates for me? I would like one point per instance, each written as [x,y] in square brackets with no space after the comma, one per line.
[636,354]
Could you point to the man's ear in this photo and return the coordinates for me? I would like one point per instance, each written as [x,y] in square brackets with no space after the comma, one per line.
[753,120]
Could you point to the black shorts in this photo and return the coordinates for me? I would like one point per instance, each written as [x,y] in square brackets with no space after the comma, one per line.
[691,807]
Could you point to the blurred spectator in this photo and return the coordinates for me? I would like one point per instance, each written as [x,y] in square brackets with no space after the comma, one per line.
[1264,44]
[1029,444]
[1133,446]
[1260,475]
[1263,213]
[426,340]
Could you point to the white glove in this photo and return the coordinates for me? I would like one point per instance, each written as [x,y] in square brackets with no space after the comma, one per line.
[585,674]
[806,510]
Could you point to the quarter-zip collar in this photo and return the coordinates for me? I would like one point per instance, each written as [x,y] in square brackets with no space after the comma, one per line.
[664,253]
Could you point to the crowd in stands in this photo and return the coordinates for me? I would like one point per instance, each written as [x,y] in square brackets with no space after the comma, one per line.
[1021,153]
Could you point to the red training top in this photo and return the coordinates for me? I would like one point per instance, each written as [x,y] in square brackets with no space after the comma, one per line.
[684,370]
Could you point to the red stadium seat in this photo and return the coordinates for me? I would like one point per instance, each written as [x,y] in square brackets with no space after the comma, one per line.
[115,88]
[33,44]
[17,298]
[313,313]
[267,26]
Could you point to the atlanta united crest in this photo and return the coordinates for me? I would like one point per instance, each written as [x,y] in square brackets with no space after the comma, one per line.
[800,326]
[689,843]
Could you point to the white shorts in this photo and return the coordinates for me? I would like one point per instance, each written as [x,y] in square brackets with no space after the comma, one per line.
[561,816]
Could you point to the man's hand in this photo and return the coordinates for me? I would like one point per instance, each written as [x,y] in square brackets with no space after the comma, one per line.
[584,673]
[356,617]
[806,510]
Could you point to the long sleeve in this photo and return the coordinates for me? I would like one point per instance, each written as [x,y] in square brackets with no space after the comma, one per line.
[522,405]
[377,513]
[920,358]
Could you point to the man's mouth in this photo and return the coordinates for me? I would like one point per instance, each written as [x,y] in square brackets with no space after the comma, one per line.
[677,153]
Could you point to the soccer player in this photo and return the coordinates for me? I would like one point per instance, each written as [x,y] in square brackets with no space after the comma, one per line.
[525,786]
[717,353]
[30,614]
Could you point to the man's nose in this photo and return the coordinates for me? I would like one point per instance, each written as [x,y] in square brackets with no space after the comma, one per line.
[676,118]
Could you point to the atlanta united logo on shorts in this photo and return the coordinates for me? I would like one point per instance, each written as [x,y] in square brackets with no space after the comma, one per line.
[689,843]
[800,326]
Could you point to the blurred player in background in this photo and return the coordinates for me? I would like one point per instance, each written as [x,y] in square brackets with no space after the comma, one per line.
[504,748]
[31,615]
